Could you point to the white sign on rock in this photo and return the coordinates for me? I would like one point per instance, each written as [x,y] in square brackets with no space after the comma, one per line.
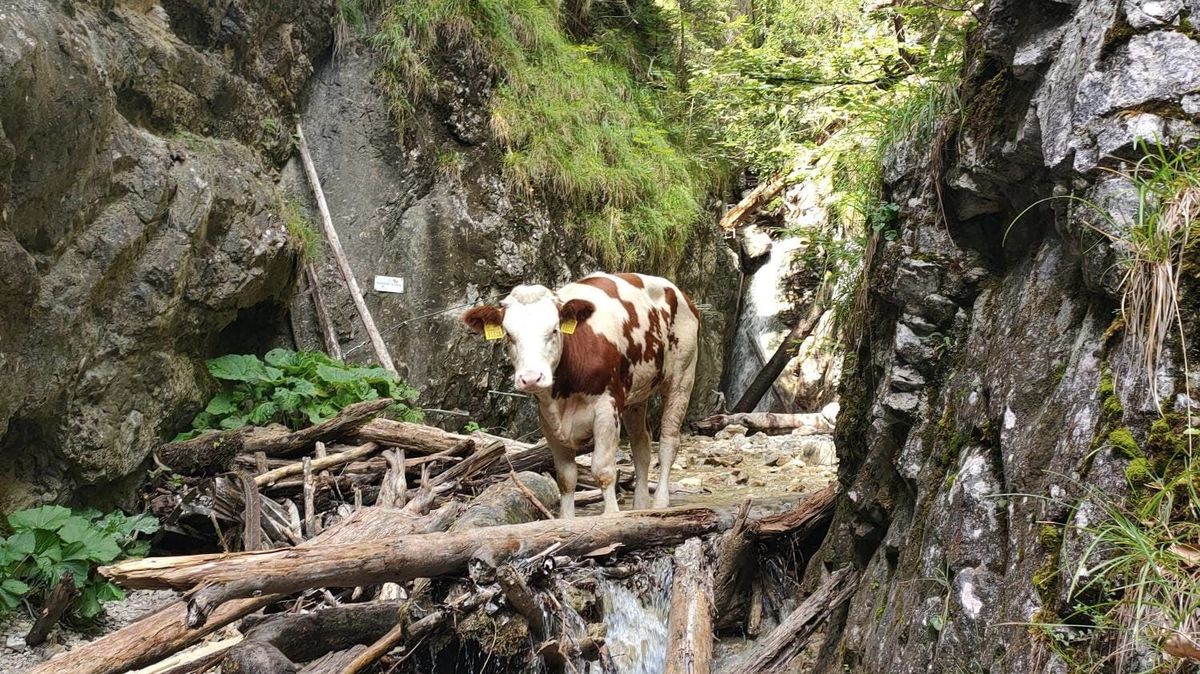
[389,284]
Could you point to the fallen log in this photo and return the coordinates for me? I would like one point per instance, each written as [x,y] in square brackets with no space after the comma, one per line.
[803,521]
[334,663]
[52,609]
[217,581]
[414,438]
[764,192]
[286,444]
[814,423]
[209,452]
[507,503]
[774,652]
[306,636]
[256,657]
[689,629]
[196,660]
[164,632]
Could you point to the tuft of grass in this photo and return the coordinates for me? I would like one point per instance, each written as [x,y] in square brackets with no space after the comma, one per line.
[578,130]
[300,228]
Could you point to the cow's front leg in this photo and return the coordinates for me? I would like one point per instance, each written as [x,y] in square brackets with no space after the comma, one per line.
[639,446]
[606,435]
[565,472]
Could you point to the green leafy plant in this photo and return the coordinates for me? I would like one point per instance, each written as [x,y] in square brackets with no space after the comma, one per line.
[300,228]
[48,541]
[295,389]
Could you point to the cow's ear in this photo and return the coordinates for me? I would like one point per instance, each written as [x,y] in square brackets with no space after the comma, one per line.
[579,310]
[478,317]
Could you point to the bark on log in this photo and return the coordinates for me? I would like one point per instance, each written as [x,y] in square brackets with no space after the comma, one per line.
[804,520]
[52,609]
[769,422]
[764,192]
[209,452]
[689,629]
[522,599]
[287,444]
[164,632]
[505,503]
[194,660]
[773,653]
[414,438]
[736,568]
[339,255]
[783,355]
[256,657]
[283,571]
[307,636]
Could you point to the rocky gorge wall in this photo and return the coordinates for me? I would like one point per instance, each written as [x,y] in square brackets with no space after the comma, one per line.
[138,218]
[144,167]
[973,437]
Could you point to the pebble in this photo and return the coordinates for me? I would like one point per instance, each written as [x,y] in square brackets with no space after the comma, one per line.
[15,642]
[729,432]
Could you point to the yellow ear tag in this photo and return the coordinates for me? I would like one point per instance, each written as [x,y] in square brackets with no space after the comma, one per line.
[567,327]
[493,331]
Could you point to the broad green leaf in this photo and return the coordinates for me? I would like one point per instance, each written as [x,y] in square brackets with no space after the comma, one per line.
[14,586]
[303,387]
[282,358]
[22,543]
[88,604]
[334,375]
[237,367]
[8,600]
[287,400]
[220,404]
[45,517]
[263,414]
[936,623]
[106,591]
[230,423]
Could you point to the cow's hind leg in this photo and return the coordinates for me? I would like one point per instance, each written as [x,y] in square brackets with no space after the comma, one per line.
[675,402]
[565,473]
[606,436]
[639,447]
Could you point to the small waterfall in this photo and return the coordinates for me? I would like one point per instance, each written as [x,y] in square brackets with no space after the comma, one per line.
[759,329]
[637,618]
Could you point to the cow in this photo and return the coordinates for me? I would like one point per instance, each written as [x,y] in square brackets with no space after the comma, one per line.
[592,353]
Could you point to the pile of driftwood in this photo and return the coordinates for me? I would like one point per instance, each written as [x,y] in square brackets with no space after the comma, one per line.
[366,544]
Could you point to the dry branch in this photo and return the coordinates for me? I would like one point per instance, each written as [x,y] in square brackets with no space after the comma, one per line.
[329,461]
[414,438]
[774,653]
[52,609]
[339,255]
[278,443]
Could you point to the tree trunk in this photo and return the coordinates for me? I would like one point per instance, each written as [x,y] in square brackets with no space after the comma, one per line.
[690,630]
[324,322]
[773,653]
[768,422]
[287,444]
[414,438]
[783,355]
[217,581]
[736,567]
[307,636]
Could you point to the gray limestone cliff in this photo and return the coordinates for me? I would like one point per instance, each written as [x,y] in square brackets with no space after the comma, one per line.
[976,411]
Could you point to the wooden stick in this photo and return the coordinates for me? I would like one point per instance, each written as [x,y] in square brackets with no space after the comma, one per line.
[813,423]
[328,334]
[783,355]
[690,630]
[426,556]
[522,599]
[193,660]
[339,255]
[394,491]
[252,531]
[284,443]
[329,461]
[414,438]
[56,603]
[775,652]
[310,497]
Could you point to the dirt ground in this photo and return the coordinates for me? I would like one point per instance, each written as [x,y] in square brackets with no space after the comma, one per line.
[776,471]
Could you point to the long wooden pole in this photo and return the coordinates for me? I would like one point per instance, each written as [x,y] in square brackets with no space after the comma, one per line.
[328,334]
[335,244]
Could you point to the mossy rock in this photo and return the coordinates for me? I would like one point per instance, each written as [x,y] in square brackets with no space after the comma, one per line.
[1122,440]
[1139,472]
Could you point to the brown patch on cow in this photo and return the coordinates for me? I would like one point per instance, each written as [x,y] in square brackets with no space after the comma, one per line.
[477,317]
[672,301]
[577,309]
[632,279]
[606,285]
[692,306]
[589,364]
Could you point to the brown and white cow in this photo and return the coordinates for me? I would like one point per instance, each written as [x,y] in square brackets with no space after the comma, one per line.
[592,353]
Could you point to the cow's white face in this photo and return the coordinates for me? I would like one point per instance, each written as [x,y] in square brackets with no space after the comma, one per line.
[532,339]
[531,316]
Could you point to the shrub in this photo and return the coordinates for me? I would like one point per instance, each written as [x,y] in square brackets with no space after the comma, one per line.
[295,389]
[51,540]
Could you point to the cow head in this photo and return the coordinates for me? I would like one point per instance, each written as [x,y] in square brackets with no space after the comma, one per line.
[531,317]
